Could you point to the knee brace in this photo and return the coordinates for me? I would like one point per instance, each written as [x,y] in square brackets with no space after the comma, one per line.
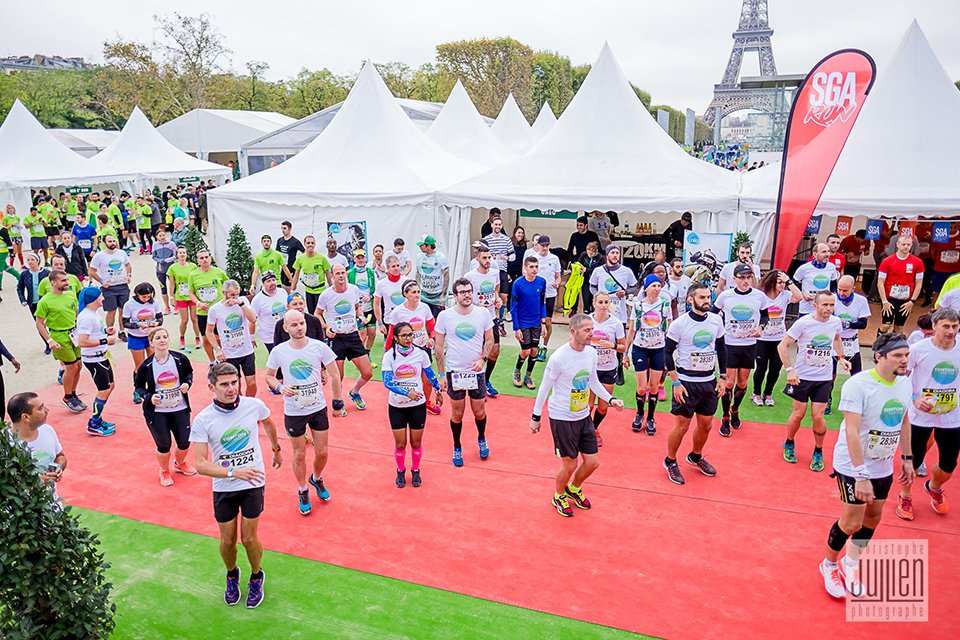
[837,537]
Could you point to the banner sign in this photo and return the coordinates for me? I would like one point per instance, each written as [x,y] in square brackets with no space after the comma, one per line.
[874,229]
[908,228]
[189,179]
[75,190]
[562,214]
[813,227]
[843,225]
[350,236]
[941,231]
[700,247]
[823,113]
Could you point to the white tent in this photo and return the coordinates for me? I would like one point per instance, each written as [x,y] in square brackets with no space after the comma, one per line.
[512,128]
[544,122]
[461,130]
[86,142]
[205,131]
[900,158]
[142,152]
[371,164]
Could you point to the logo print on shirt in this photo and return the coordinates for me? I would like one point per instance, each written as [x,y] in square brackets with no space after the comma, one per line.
[234,439]
[702,339]
[581,380]
[821,341]
[115,264]
[145,314]
[233,321]
[416,324]
[600,336]
[342,307]
[741,312]
[301,369]
[774,312]
[651,318]
[278,308]
[944,372]
[396,297]
[405,371]
[892,413]
[167,380]
[821,282]
[465,331]
[487,286]
[611,285]
[426,268]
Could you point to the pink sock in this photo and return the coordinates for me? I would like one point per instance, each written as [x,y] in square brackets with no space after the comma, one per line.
[399,455]
[416,454]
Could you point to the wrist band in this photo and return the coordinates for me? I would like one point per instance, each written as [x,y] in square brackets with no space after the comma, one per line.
[103,341]
[535,417]
[906,457]
[861,473]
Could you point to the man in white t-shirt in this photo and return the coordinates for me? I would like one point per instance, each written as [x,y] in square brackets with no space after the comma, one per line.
[341,315]
[744,256]
[228,330]
[464,339]
[304,404]
[571,375]
[387,293]
[677,284]
[402,255]
[110,270]
[28,418]
[810,377]
[550,271]
[617,280]
[268,305]
[486,294]
[334,256]
[817,275]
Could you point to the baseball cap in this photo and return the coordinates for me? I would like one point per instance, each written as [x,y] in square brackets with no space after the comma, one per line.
[266,236]
[543,239]
[686,216]
[742,270]
[426,239]
[479,244]
[360,252]
[267,275]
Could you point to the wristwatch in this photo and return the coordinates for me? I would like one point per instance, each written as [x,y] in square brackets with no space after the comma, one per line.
[276,449]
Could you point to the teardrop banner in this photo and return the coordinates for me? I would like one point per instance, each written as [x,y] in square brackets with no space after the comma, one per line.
[823,113]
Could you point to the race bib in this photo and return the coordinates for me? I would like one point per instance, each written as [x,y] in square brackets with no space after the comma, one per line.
[900,291]
[579,399]
[311,280]
[117,276]
[401,399]
[16,229]
[617,306]
[946,399]
[233,338]
[743,329]
[464,380]
[345,324]
[207,294]
[651,338]
[486,298]
[73,337]
[851,346]
[183,290]
[85,243]
[169,398]
[949,257]
[306,396]
[881,445]
[703,360]
[605,358]
[38,228]
[774,327]
[818,357]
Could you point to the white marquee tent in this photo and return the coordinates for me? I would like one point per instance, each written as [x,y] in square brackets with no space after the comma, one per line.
[512,128]
[86,142]
[204,131]
[370,164]
[544,122]
[461,130]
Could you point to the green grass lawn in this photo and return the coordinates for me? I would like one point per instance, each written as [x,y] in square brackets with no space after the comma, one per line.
[169,584]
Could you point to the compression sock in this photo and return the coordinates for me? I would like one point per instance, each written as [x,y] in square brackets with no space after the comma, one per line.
[640,401]
[415,456]
[739,393]
[503,313]
[725,401]
[234,573]
[456,428]
[97,415]
[520,363]
[489,370]
[651,405]
[598,418]
[531,363]
[399,455]
[481,427]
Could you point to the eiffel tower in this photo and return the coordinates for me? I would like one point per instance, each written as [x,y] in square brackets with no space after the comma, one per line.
[753,34]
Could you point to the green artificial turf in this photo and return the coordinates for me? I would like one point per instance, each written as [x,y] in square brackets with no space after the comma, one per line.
[169,584]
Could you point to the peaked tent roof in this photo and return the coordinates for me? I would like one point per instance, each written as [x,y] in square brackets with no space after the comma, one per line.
[141,151]
[900,158]
[544,122]
[461,130]
[31,157]
[371,153]
[86,142]
[512,128]
[605,151]
[220,130]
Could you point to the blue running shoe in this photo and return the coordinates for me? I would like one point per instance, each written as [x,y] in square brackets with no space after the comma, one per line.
[60,377]
[816,464]
[110,426]
[46,351]
[304,497]
[484,449]
[458,457]
[493,393]
[542,354]
[317,483]
[789,453]
[232,594]
[136,398]
[99,430]
[255,590]
[357,400]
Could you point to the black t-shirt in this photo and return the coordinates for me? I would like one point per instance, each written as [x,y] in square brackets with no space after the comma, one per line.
[314,329]
[290,248]
[486,229]
[579,241]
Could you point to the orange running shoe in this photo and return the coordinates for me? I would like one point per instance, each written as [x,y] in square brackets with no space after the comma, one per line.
[938,499]
[904,508]
[165,479]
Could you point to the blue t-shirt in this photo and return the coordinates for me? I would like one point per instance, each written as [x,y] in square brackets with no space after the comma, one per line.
[528,302]
[35,294]
[84,236]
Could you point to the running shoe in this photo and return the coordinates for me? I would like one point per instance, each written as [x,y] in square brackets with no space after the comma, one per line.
[904,508]
[60,377]
[317,483]
[109,426]
[136,398]
[922,470]
[255,590]
[458,457]
[122,336]
[503,330]
[47,351]
[232,594]
[599,439]
[725,427]
[484,449]
[938,499]
[661,394]
[734,419]
[705,467]
[637,423]
[832,580]
[401,480]
[73,404]
[542,354]
[577,496]
[789,454]
[491,392]
[197,344]
[165,479]
[99,431]
[651,427]
[816,464]
[757,400]
[673,473]
[529,383]
[274,390]
[185,468]
[303,501]
[374,364]
[415,478]
[562,505]
[81,403]
[768,401]
[357,400]
[183,344]
[434,409]
[167,311]
[517,381]
[829,408]
[851,577]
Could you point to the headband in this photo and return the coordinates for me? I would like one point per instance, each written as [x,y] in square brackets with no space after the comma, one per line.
[893,345]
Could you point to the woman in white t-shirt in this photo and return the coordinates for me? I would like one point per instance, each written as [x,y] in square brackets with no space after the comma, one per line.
[774,285]
[610,340]
[141,313]
[418,315]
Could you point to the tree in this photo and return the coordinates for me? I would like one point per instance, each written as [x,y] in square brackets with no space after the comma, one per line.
[194,243]
[552,81]
[490,70]
[53,584]
[431,83]
[313,91]
[239,258]
[194,48]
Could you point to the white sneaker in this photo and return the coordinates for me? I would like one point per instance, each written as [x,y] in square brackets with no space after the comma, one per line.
[851,577]
[832,580]
[757,400]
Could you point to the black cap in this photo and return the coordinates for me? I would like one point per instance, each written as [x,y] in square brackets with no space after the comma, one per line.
[742,270]
[543,239]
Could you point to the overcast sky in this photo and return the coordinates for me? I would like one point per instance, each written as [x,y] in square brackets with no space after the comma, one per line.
[675,49]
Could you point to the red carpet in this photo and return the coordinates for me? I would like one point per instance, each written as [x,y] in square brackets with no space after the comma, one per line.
[731,556]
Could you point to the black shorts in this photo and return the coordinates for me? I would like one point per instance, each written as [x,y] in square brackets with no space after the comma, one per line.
[102,374]
[550,304]
[435,309]
[571,438]
[530,338]
[897,317]
[741,356]
[414,417]
[648,359]
[52,231]
[607,377]
[496,330]
[246,502]
[948,445]
[881,487]
[701,400]
[115,297]
[132,227]
[475,394]
[504,284]
[246,365]
[296,426]
[348,346]
[202,323]
[810,391]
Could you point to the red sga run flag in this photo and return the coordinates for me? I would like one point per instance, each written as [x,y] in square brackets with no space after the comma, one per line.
[823,112]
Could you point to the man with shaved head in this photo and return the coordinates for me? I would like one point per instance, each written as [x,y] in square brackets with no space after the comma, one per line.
[899,280]
[817,275]
[854,312]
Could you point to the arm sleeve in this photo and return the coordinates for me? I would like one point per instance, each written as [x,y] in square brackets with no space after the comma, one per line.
[432,377]
[722,354]
[549,378]
[128,322]
[388,382]
[671,346]
[431,323]
[543,303]
[861,323]
[186,374]
[765,317]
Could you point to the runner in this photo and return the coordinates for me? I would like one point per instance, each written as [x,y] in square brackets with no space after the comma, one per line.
[365,280]
[338,308]
[335,257]
[56,320]
[268,260]
[854,312]
[401,254]
[695,348]
[204,285]
[75,261]
[141,313]
[745,314]
[404,367]
[502,253]
[817,275]
[227,431]
[59,263]
[933,367]
[387,294]
[289,246]
[313,269]
[817,337]
[780,292]
[900,279]
[33,221]
[470,331]
[304,403]
[650,317]
[418,315]
[231,332]
[835,257]
[609,339]
[677,286]
[433,274]
[163,381]
[619,282]
[486,294]
[164,254]
[550,271]
[268,305]
[875,421]
[110,270]
[571,375]
[28,421]
[744,256]
[527,311]
[178,275]
[93,340]
[315,330]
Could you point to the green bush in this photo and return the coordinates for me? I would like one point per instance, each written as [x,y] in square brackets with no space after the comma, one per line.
[53,583]
[239,258]
[195,243]
[740,238]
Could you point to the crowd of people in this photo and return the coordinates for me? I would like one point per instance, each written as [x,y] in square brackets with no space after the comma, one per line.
[314,310]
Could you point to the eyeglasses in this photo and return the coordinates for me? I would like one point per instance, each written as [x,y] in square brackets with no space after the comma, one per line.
[405,335]
[464,292]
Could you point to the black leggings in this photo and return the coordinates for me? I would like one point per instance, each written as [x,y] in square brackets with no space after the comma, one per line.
[948,445]
[177,423]
[146,236]
[769,365]
[312,299]
[3,399]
